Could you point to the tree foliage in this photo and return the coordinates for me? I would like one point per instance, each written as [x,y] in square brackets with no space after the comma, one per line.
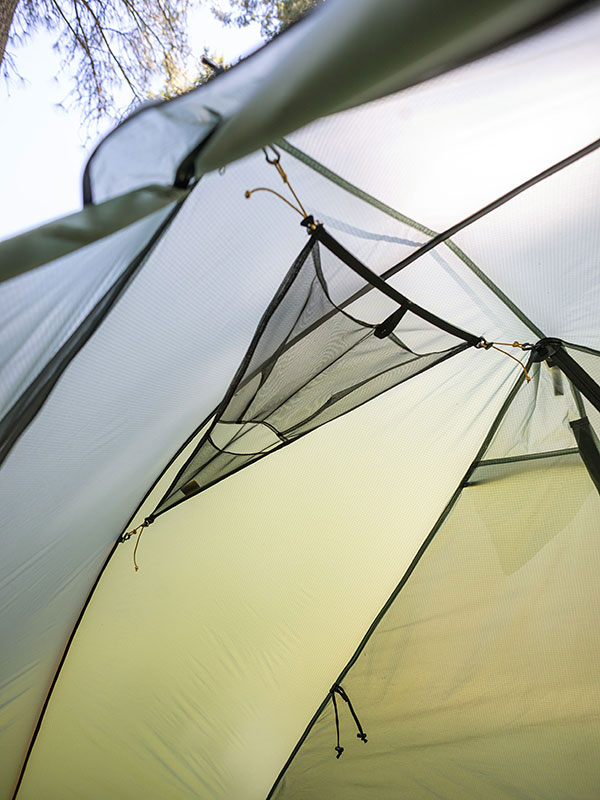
[119,50]
[125,51]
[273,16]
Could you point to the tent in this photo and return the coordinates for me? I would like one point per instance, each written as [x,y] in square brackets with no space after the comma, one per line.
[367,536]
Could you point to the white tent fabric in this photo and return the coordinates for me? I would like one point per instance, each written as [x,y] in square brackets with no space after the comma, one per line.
[196,676]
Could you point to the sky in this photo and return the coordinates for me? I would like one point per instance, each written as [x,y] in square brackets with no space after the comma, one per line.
[43,146]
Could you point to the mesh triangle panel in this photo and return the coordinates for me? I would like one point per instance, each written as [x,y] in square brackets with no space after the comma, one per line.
[310,362]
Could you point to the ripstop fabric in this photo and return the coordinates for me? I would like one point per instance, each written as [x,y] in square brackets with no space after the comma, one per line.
[335,489]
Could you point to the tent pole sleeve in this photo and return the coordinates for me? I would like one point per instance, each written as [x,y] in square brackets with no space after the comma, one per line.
[38,247]
[378,283]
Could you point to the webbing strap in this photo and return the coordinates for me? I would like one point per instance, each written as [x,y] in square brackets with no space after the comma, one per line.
[390,323]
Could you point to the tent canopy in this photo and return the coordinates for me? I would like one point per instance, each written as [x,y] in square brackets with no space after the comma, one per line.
[352,514]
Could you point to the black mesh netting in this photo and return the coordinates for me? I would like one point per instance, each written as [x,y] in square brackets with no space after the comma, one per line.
[309,362]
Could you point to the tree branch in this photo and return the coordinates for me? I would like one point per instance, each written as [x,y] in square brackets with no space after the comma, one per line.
[109,48]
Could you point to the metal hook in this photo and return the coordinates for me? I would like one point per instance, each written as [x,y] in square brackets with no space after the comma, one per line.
[277,158]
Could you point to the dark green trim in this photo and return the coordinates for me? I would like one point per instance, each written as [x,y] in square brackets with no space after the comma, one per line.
[309,161]
[79,619]
[49,242]
[494,288]
[55,677]
[159,512]
[244,364]
[476,462]
[449,506]
[581,348]
[500,201]
[578,399]
[574,390]
[312,246]
[588,448]
[490,462]
[87,191]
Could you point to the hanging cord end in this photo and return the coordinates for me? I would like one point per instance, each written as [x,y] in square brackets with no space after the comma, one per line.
[339,690]
[139,530]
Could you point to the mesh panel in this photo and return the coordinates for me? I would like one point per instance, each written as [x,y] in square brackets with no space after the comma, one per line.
[310,362]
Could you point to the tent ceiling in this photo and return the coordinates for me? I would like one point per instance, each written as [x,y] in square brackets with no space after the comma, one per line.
[331,523]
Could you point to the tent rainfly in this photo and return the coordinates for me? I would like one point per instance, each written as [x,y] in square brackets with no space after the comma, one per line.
[347,433]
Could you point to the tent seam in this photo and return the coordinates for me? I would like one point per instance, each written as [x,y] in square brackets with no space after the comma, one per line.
[491,462]
[582,348]
[61,663]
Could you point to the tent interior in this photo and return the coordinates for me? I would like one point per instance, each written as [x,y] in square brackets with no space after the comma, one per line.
[304,502]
